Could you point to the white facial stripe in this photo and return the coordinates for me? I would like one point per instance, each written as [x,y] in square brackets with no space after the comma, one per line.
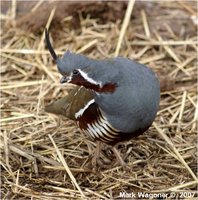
[82,110]
[86,77]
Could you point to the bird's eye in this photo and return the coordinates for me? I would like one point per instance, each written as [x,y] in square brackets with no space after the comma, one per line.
[75,72]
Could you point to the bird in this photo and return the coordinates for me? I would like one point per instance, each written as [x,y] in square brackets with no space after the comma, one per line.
[114,99]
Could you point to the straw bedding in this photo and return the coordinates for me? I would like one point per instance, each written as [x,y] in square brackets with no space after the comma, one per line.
[44,156]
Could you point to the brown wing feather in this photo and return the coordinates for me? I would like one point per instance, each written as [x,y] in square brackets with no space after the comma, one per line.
[80,99]
[72,103]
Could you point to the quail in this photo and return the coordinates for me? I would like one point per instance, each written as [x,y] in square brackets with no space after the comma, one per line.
[114,100]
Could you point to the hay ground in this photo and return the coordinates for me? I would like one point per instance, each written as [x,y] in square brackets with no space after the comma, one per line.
[161,35]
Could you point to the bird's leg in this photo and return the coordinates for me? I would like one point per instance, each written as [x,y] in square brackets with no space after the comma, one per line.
[119,158]
[97,154]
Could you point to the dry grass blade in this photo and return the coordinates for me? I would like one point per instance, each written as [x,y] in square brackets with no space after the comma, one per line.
[37,5]
[16,59]
[124,25]
[187,7]
[195,118]
[87,46]
[182,65]
[177,187]
[180,158]
[168,49]
[21,84]
[66,166]
[26,51]
[162,43]
[145,23]
[95,193]
[181,110]
[17,117]
[13,12]
[153,58]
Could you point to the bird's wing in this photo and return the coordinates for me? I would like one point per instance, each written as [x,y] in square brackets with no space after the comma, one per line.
[69,105]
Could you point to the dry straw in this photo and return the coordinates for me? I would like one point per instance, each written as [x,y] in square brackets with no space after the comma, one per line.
[46,157]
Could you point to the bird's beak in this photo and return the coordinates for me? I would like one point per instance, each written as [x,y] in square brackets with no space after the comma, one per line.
[64,79]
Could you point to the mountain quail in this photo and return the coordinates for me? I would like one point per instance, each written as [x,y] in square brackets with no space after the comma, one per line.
[115,100]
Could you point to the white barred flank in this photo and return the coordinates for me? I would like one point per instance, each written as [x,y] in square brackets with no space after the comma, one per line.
[102,130]
[107,126]
[104,119]
[98,128]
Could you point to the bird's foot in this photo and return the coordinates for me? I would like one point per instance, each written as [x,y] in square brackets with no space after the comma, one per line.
[118,156]
[120,160]
[99,160]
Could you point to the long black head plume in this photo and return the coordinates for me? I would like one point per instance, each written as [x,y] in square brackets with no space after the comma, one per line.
[49,46]
[59,62]
[68,62]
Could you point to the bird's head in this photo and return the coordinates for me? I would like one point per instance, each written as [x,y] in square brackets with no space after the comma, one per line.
[80,70]
[68,62]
